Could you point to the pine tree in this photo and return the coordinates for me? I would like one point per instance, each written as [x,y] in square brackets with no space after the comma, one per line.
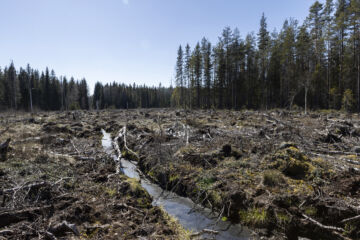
[197,77]
[98,97]
[354,23]
[315,25]
[23,89]
[288,83]
[251,73]
[207,66]
[226,40]
[12,84]
[2,90]
[180,75]
[305,56]
[341,23]
[187,75]
[73,95]
[30,86]
[220,75]
[274,74]
[46,90]
[263,43]
[83,95]
[328,37]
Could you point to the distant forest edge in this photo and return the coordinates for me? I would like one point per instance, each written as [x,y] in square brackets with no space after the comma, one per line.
[51,93]
[313,65]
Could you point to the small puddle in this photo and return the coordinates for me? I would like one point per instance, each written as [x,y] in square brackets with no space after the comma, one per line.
[190,215]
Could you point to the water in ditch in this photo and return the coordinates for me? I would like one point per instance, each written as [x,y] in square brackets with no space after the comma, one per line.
[190,215]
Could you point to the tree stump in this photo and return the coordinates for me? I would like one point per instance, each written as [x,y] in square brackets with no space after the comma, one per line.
[4,148]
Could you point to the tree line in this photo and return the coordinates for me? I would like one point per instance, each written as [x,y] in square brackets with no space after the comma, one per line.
[29,89]
[315,64]
[121,96]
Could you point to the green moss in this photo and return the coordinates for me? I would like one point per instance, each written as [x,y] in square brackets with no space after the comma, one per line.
[293,163]
[254,217]
[173,223]
[174,178]
[350,229]
[205,182]
[311,211]
[282,218]
[143,203]
[273,178]
[111,192]
[135,188]
[185,150]
[215,198]
[129,155]
[152,174]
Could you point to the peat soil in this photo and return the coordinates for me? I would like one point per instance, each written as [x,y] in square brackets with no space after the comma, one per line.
[283,174]
[56,182]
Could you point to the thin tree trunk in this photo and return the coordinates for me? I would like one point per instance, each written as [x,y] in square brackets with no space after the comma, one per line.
[306,92]
[30,94]
[328,85]
[358,81]
[14,92]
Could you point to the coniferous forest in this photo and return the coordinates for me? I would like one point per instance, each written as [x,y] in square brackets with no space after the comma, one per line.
[313,65]
[50,93]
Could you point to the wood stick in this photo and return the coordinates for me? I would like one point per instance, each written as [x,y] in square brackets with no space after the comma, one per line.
[321,225]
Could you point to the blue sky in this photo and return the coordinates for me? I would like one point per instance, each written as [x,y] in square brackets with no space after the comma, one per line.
[125,40]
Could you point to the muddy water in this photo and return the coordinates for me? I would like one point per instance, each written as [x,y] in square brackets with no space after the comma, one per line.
[190,215]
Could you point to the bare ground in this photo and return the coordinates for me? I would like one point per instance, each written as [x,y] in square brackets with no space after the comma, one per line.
[283,174]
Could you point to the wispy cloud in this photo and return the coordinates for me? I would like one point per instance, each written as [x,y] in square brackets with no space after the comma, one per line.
[126,2]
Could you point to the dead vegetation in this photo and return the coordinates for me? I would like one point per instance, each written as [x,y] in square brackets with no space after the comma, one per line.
[55,185]
[282,173]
